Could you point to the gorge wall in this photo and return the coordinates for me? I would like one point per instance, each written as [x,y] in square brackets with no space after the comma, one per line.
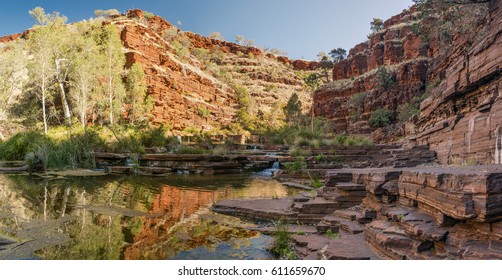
[461,118]
[197,89]
[404,56]
[192,79]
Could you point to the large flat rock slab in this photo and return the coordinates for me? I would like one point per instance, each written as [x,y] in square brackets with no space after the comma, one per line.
[259,209]
[349,247]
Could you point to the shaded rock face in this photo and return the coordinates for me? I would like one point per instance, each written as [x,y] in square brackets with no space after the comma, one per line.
[397,48]
[461,120]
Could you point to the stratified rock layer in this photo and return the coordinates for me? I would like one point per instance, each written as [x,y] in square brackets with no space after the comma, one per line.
[461,120]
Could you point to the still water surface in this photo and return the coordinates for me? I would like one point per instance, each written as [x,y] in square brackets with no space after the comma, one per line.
[130,217]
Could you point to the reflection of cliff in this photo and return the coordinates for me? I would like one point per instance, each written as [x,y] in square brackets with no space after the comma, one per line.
[170,206]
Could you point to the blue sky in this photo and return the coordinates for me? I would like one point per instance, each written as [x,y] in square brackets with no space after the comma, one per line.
[301,28]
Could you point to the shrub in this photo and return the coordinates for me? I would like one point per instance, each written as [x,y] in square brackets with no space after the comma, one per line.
[380,118]
[157,137]
[351,140]
[20,144]
[281,247]
[148,15]
[192,150]
[332,235]
[316,183]
[181,50]
[355,104]
[407,111]
[203,112]
[411,109]
[384,78]
[297,165]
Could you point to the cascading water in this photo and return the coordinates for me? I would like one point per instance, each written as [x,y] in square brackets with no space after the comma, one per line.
[269,172]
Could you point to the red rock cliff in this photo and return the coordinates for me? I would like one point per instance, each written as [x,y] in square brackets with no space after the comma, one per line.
[400,51]
[462,119]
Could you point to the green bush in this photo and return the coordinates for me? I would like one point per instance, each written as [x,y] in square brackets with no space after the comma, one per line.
[20,144]
[157,137]
[384,78]
[381,118]
[148,15]
[281,247]
[351,140]
[72,151]
[355,104]
[192,150]
[297,165]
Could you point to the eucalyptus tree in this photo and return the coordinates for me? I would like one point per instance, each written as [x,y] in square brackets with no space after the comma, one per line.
[45,65]
[84,71]
[114,61]
[139,104]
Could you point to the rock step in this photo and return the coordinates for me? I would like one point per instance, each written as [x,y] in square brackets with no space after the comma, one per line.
[417,224]
[348,247]
[322,228]
[310,219]
[395,243]
[292,229]
[318,205]
[350,187]
[303,197]
[344,224]
[362,216]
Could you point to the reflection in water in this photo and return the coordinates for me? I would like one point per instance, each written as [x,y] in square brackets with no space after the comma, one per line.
[128,217]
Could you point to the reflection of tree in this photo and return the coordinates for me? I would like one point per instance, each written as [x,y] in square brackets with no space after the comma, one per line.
[91,208]
[100,239]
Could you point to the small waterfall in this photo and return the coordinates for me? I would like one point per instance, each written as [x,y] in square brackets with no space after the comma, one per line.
[269,172]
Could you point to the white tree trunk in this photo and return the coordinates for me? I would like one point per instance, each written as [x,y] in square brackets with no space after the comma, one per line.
[43,99]
[61,78]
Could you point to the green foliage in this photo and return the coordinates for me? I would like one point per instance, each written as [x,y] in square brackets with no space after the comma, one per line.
[148,15]
[192,150]
[139,103]
[332,235]
[157,137]
[281,247]
[201,53]
[293,109]
[316,183]
[381,118]
[243,97]
[338,54]
[376,25]
[203,112]
[181,51]
[351,140]
[72,151]
[355,104]
[411,109]
[319,158]
[384,78]
[297,165]
[312,81]
[19,145]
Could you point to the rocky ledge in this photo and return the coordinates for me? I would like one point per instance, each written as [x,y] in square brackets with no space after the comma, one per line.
[393,213]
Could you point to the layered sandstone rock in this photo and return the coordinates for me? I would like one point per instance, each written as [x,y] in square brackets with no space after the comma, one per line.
[462,118]
[180,91]
[400,51]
